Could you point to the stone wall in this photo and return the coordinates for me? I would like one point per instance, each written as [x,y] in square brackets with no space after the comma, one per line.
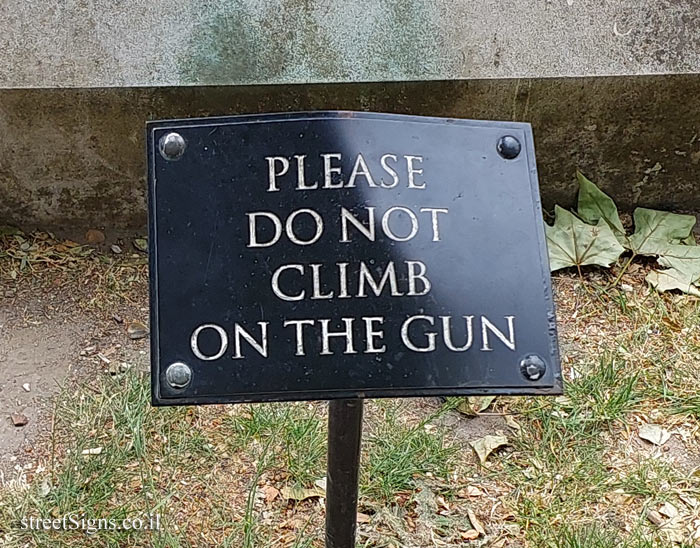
[76,158]
[100,43]
[610,86]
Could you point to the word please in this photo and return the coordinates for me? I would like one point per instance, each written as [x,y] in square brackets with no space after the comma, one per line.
[418,333]
[278,167]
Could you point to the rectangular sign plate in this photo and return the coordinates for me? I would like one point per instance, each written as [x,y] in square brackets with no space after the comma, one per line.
[340,254]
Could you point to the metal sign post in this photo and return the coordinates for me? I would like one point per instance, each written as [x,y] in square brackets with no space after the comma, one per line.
[344,440]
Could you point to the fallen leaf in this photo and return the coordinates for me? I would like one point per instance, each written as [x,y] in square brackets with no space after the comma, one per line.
[655,231]
[473,405]
[270,493]
[476,524]
[571,242]
[683,270]
[299,493]
[45,487]
[674,533]
[654,433]
[136,330]
[692,502]
[363,518]
[470,491]
[594,205]
[471,534]
[656,518]
[487,445]
[512,529]
[619,497]
[512,423]
[668,510]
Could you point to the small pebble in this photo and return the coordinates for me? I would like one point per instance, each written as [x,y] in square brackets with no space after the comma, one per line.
[26,387]
[141,244]
[94,236]
[18,419]
[116,249]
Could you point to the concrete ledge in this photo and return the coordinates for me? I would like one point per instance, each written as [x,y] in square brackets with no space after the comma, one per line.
[76,157]
[75,43]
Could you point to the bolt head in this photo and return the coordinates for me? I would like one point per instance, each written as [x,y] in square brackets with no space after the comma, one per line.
[532,367]
[178,375]
[508,147]
[172,146]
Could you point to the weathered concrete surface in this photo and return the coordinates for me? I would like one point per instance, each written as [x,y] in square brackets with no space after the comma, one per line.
[76,158]
[80,43]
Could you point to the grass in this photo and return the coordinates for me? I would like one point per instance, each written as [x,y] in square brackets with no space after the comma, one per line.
[397,452]
[300,430]
[574,473]
[595,536]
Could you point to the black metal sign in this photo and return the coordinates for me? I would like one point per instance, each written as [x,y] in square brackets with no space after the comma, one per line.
[339,254]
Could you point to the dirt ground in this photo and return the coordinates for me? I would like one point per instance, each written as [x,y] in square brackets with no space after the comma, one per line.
[56,330]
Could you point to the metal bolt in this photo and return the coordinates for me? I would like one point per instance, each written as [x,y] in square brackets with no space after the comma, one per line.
[508,147]
[532,367]
[178,375]
[172,146]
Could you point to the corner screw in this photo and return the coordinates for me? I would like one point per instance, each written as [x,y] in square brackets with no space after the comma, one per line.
[508,147]
[532,367]
[172,146]
[178,375]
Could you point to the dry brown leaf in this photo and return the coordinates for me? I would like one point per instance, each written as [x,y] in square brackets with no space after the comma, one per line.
[299,493]
[136,330]
[363,518]
[469,491]
[656,518]
[271,493]
[473,405]
[668,510]
[654,433]
[476,524]
[471,534]
[512,423]
[487,445]
[692,502]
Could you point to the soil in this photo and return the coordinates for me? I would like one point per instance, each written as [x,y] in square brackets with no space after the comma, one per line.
[37,356]
[47,341]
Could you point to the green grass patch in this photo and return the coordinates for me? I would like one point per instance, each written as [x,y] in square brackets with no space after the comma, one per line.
[105,436]
[595,536]
[398,451]
[298,431]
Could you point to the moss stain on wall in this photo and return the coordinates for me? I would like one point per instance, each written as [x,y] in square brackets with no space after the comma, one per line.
[296,40]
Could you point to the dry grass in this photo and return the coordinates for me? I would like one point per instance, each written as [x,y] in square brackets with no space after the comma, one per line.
[575,472]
